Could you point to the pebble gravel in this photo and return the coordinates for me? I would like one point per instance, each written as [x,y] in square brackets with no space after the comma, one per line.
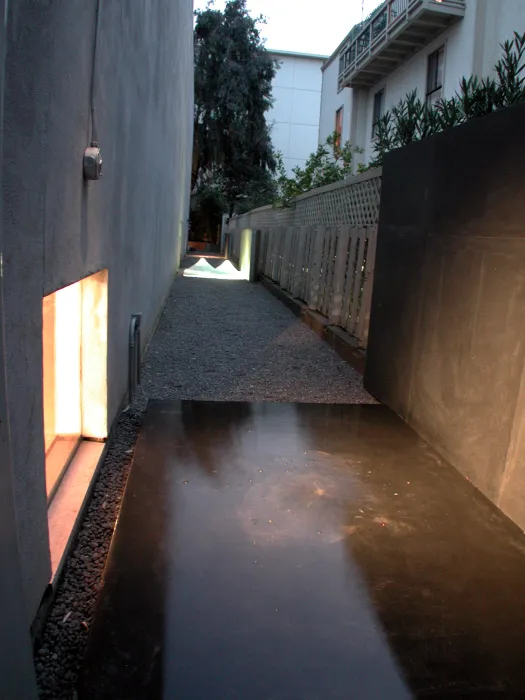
[215,340]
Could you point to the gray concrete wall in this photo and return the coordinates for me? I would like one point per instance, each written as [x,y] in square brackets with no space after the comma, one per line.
[447,339]
[58,228]
[17,679]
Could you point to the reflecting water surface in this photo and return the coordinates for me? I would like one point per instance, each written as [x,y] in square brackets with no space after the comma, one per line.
[297,552]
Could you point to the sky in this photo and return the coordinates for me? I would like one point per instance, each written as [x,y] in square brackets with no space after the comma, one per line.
[306,26]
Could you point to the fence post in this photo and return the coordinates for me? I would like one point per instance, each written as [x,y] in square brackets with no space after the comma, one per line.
[296,271]
[293,259]
[271,261]
[254,255]
[349,278]
[341,262]
[333,237]
[306,277]
[299,257]
[277,247]
[325,262]
[368,284]
[275,253]
[268,252]
[358,281]
[284,275]
[315,266]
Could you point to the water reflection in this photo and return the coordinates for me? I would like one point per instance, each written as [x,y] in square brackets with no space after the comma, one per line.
[209,434]
[338,558]
[443,570]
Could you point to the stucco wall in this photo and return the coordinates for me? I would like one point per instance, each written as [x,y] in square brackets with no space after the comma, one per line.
[58,228]
[331,101]
[472,47]
[294,116]
[459,43]
[446,348]
[501,20]
[16,669]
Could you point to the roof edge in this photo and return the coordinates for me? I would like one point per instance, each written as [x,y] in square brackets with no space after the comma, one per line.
[297,54]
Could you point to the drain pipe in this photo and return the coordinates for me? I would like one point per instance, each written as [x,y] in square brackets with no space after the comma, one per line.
[134,359]
[92,160]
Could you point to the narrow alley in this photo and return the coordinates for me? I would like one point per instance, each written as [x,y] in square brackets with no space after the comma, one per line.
[232,341]
[274,528]
[215,341]
[262,351]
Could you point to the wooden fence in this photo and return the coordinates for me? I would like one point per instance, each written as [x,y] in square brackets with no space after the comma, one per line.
[329,268]
[322,249]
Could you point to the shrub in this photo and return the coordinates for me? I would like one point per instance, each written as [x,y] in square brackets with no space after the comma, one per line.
[412,120]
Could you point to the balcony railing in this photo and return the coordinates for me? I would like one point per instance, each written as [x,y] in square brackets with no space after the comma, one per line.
[392,19]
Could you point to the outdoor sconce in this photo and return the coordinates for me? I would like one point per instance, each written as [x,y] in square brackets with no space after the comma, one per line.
[92,162]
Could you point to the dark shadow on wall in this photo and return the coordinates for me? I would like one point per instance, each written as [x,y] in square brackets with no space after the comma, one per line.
[84,222]
[447,345]
[438,565]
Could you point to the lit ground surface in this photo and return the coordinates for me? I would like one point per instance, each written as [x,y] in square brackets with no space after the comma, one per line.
[303,552]
[232,341]
[202,269]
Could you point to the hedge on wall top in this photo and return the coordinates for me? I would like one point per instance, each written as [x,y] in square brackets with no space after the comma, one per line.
[413,120]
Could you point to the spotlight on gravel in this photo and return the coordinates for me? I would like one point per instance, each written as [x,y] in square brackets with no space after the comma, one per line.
[203,270]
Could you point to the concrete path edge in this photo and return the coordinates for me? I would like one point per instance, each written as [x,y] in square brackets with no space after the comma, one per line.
[340,340]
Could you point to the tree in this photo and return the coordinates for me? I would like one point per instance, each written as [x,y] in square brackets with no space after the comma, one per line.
[233,91]
[330,163]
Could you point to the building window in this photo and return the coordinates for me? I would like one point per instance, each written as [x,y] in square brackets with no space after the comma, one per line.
[338,127]
[435,76]
[74,374]
[379,109]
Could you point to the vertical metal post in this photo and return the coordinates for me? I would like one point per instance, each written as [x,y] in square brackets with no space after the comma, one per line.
[17,677]
[134,357]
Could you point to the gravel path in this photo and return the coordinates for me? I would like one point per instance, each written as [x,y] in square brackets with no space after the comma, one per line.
[224,341]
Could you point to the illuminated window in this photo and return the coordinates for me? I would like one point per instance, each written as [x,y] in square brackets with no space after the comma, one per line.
[436,62]
[74,345]
[379,110]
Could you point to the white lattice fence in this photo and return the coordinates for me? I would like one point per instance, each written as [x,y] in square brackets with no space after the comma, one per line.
[356,203]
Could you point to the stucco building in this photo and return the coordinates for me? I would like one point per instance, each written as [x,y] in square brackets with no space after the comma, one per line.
[428,45]
[294,117]
[79,257]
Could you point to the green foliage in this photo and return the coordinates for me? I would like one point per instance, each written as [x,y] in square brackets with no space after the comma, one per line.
[448,113]
[471,99]
[412,120]
[384,141]
[330,163]
[509,69]
[428,124]
[259,192]
[207,207]
[233,91]
[406,117]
